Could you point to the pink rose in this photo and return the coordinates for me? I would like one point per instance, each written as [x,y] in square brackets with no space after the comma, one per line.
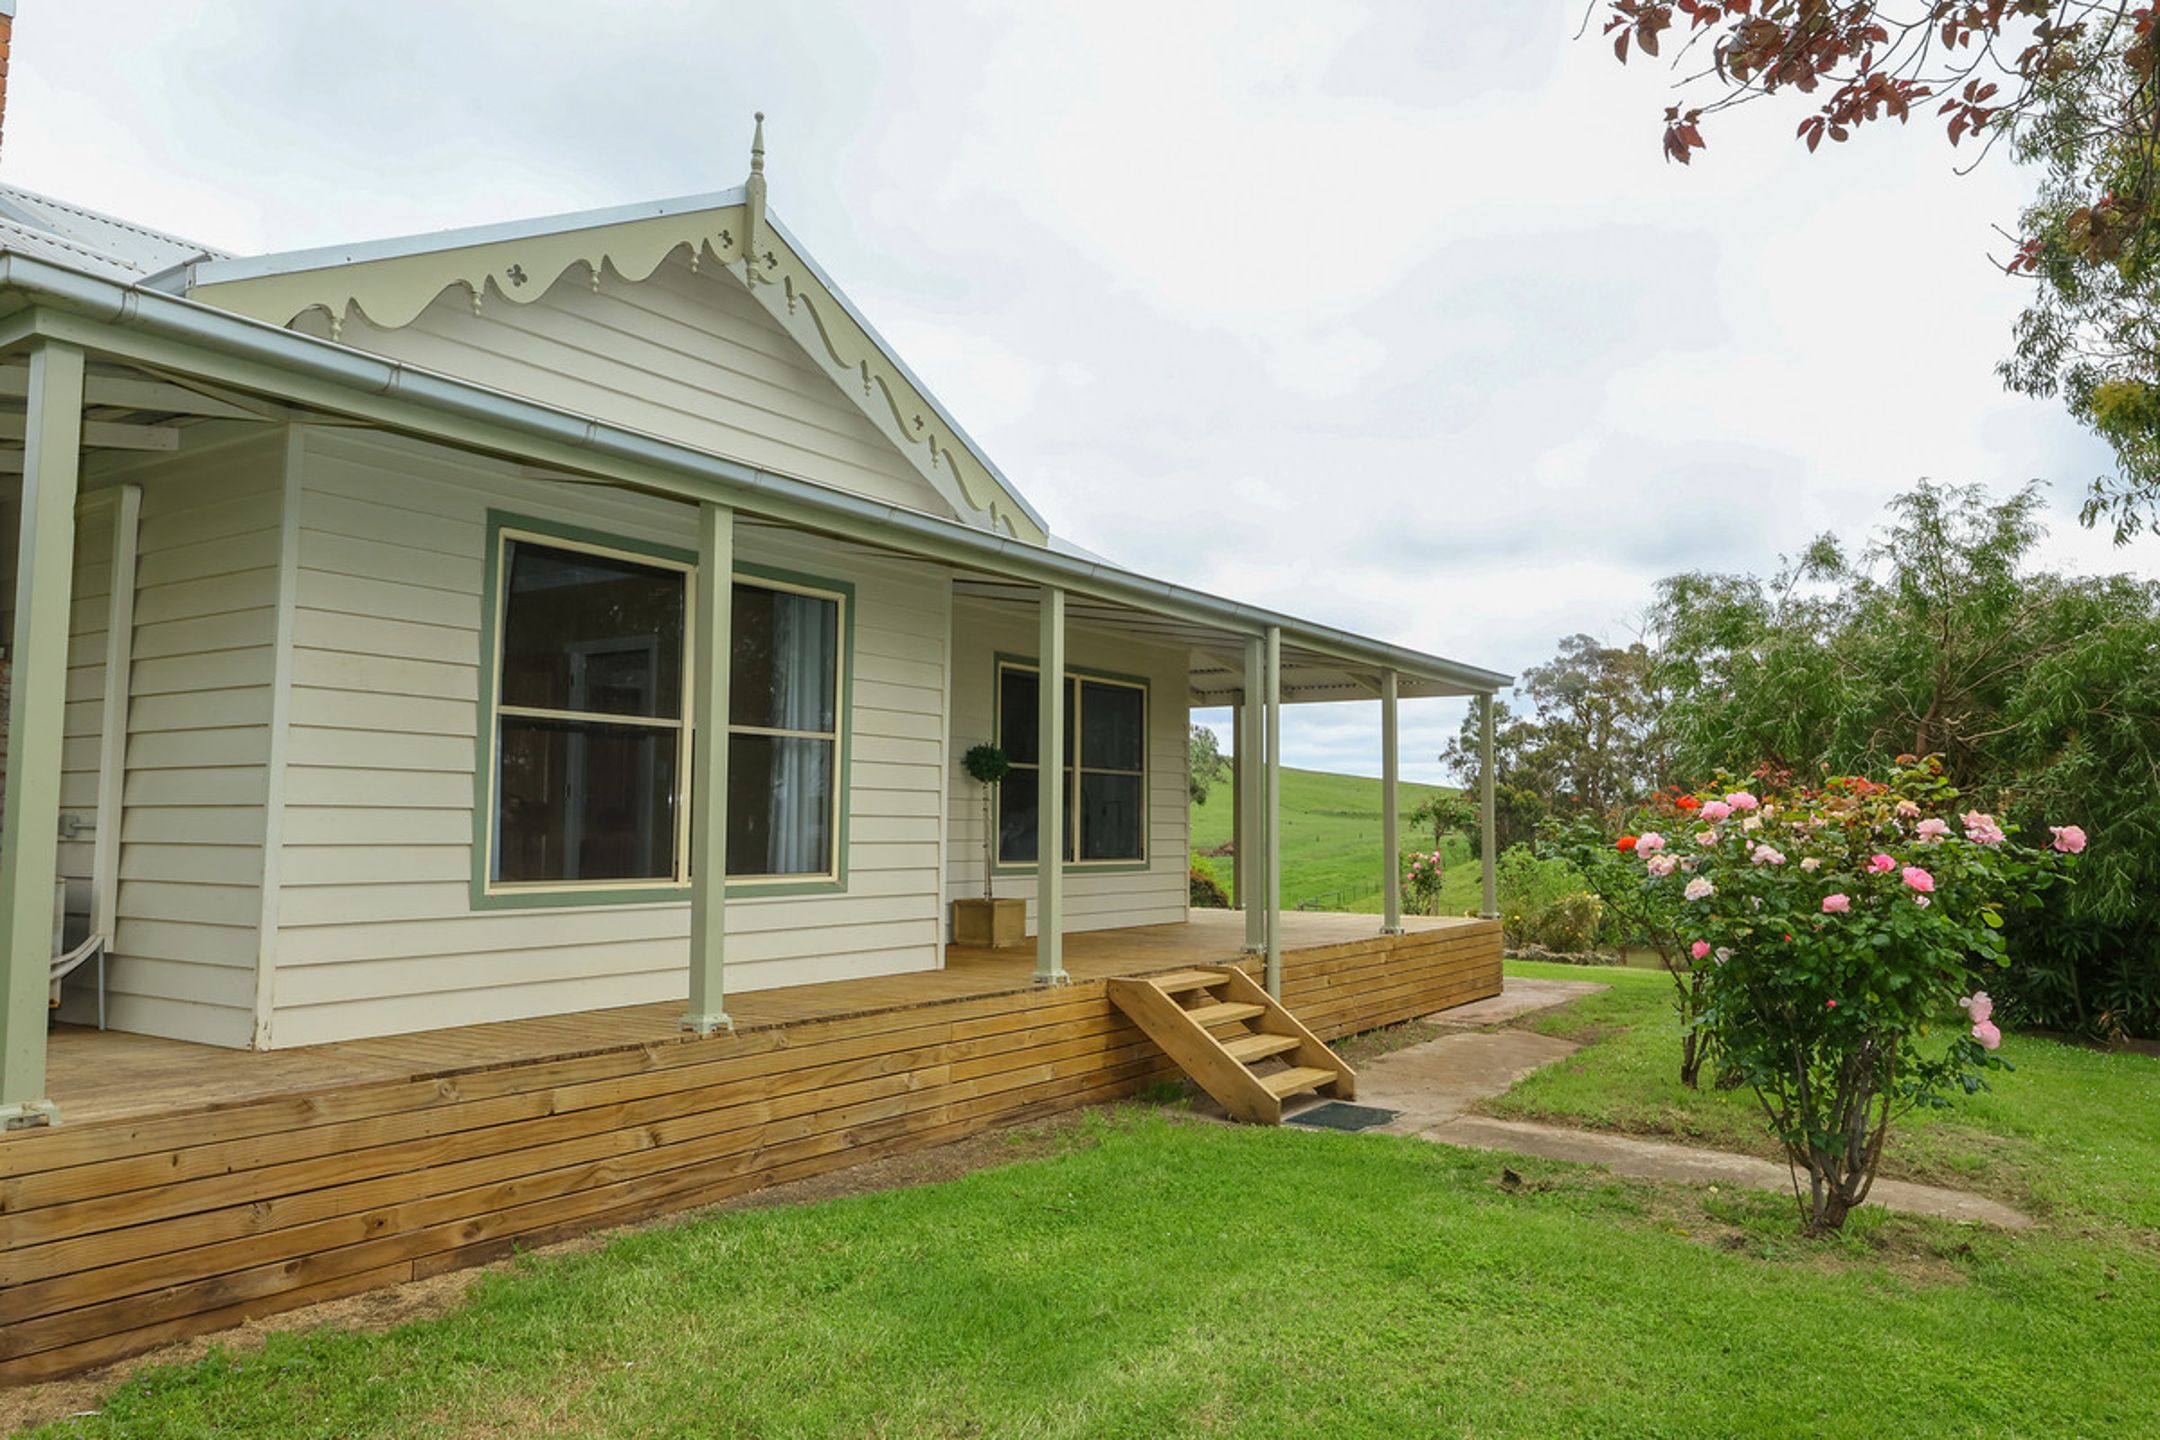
[1700,949]
[1907,809]
[1766,854]
[1716,810]
[1880,865]
[1979,1005]
[1649,843]
[1933,829]
[2070,839]
[1706,838]
[1661,866]
[1700,889]
[1989,1037]
[1981,828]
[1922,901]
[1741,800]
[1919,879]
[1836,904]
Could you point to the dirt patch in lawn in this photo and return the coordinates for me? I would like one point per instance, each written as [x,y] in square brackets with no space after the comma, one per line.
[24,1406]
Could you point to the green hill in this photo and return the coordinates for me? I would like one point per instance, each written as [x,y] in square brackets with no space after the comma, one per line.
[1331,842]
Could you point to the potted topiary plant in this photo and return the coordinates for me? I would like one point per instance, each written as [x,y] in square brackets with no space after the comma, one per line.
[988,921]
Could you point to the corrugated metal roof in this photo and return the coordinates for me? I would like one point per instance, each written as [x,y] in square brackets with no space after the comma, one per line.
[33,224]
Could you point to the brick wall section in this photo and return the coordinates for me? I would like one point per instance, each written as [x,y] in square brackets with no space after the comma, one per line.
[126,1234]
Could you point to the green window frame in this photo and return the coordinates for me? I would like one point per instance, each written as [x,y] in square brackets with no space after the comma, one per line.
[1080,685]
[490,892]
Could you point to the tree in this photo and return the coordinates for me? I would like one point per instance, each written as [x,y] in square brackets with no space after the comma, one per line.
[1522,774]
[2069,86]
[1207,767]
[1590,746]
[1444,815]
[2040,691]
[1597,723]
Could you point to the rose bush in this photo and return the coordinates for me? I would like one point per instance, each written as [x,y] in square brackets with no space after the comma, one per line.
[1835,932]
[1423,873]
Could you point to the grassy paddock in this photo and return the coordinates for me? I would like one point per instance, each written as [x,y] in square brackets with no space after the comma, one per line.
[1331,841]
[1156,1277]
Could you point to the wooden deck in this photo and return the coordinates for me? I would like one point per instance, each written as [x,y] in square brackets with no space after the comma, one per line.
[104,1075]
[192,1188]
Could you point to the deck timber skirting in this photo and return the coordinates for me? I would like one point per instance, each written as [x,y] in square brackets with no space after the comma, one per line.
[124,1234]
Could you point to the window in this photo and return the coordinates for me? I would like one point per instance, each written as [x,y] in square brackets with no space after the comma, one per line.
[1105,792]
[784,732]
[591,734]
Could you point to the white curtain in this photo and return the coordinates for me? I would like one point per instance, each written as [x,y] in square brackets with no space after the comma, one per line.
[805,676]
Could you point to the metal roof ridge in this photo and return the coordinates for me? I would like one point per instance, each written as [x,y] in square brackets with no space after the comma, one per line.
[320,257]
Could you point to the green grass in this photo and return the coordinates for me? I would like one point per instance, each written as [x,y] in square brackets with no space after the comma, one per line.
[2072,1133]
[1331,841]
[1164,1279]
[1154,1277]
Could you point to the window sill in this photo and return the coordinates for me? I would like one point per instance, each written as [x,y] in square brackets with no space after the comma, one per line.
[655,895]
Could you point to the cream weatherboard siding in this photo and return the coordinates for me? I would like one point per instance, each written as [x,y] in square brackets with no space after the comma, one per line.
[684,355]
[190,892]
[82,733]
[376,927]
[1095,899]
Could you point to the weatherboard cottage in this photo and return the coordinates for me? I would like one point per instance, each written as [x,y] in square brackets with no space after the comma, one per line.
[483,732]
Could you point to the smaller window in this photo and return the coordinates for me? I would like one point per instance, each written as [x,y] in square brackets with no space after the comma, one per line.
[784,707]
[1105,792]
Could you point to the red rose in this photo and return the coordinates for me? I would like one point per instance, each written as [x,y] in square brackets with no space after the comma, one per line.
[1627,842]
[1689,802]
[1829,1004]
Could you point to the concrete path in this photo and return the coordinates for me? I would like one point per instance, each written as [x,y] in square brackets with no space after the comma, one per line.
[1658,1160]
[1516,998]
[1435,1084]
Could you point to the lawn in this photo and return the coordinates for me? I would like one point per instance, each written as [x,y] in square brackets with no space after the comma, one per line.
[2072,1133]
[1155,1277]
[1331,842]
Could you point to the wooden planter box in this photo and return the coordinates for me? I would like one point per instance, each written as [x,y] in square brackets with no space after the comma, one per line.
[996,923]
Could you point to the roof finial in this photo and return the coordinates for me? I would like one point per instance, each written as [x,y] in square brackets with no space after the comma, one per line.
[754,204]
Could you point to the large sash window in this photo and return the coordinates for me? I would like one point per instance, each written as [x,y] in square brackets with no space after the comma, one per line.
[1105,791]
[588,787]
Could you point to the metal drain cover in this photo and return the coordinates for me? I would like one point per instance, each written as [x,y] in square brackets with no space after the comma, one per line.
[1342,1115]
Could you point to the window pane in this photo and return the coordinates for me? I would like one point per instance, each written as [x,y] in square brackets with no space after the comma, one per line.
[1116,726]
[591,633]
[1019,718]
[1112,814]
[786,671]
[1016,817]
[779,805]
[585,802]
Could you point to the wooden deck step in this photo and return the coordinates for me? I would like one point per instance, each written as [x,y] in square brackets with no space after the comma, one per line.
[1207,1017]
[1222,1064]
[1296,1079]
[1249,1048]
[1178,982]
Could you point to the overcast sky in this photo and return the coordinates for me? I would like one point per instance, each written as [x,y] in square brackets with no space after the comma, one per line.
[1387,315]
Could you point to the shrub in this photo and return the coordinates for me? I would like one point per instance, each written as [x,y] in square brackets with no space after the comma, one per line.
[1545,902]
[1832,929]
[1423,873]
[1206,891]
